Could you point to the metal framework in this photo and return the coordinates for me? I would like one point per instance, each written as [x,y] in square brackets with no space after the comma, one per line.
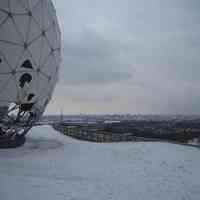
[29,62]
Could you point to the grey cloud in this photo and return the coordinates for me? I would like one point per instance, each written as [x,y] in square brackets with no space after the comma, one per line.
[132,56]
[93,59]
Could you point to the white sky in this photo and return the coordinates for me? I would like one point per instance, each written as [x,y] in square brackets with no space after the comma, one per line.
[129,56]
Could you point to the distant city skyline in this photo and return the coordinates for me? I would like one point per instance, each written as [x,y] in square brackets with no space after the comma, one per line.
[130,56]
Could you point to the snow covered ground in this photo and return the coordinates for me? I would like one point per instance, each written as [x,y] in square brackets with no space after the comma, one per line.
[55,167]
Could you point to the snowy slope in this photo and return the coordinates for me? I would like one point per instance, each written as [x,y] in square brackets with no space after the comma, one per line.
[54,167]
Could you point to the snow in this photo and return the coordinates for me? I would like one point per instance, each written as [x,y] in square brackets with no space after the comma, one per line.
[55,167]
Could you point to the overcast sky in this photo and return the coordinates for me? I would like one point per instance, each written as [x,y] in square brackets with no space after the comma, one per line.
[129,56]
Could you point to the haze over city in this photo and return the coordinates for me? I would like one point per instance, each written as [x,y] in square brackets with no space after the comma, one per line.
[128,57]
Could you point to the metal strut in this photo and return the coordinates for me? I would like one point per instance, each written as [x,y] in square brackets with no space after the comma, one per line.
[15,125]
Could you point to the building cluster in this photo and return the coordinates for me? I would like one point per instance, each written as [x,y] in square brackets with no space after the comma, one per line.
[136,130]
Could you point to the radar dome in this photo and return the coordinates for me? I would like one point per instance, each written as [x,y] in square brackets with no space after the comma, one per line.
[29,62]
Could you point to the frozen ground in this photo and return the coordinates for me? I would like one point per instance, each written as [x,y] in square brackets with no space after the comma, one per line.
[54,167]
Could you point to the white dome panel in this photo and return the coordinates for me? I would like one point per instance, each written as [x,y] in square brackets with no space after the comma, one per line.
[16,7]
[4,6]
[23,23]
[9,91]
[9,32]
[11,55]
[30,43]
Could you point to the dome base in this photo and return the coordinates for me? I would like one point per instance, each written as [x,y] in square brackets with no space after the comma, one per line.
[9,143]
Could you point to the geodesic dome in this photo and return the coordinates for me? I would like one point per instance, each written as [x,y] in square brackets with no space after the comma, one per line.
[29,62]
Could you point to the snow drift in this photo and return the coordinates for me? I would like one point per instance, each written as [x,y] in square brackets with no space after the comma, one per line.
[55,167]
